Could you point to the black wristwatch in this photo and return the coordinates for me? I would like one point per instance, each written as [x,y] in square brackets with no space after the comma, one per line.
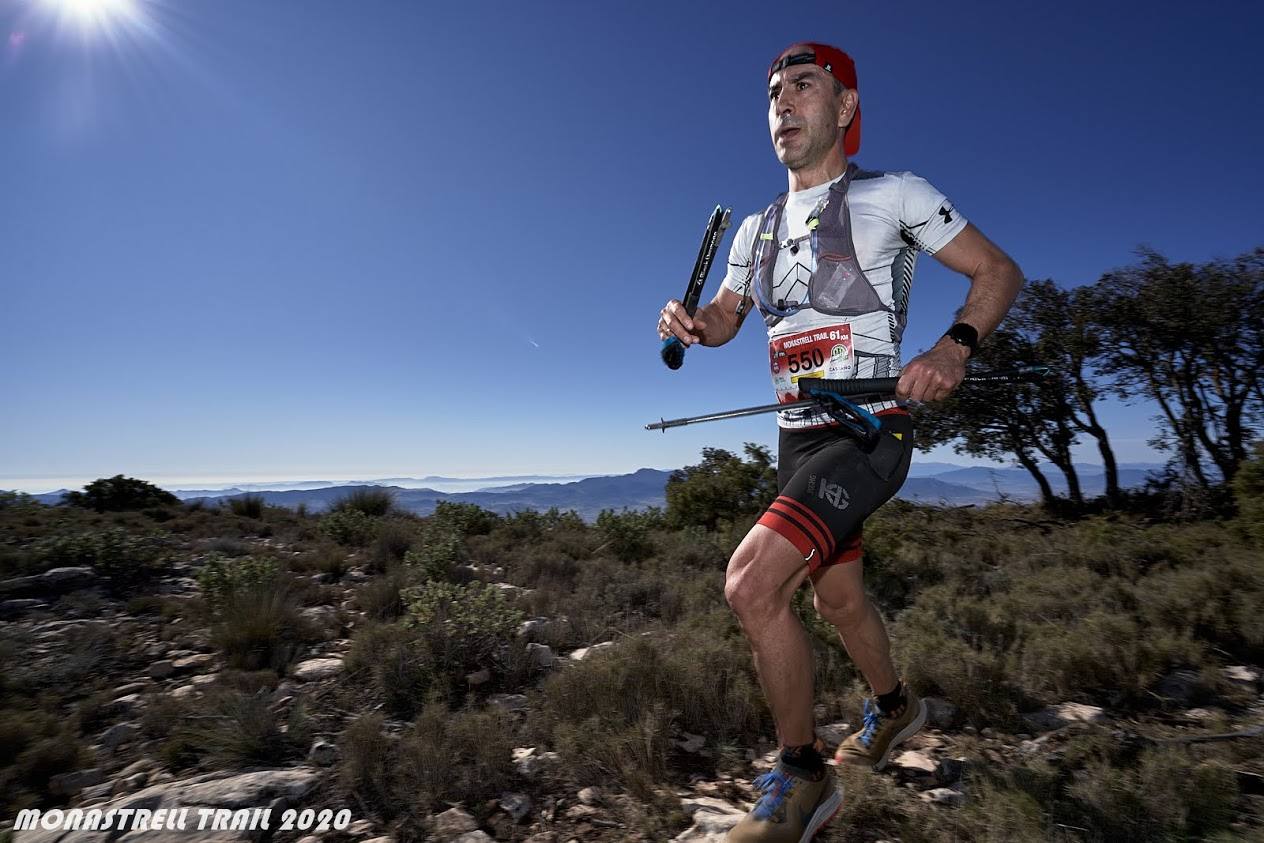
[964,334]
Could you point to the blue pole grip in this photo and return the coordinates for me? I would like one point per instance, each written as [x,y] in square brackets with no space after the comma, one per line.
[673,353]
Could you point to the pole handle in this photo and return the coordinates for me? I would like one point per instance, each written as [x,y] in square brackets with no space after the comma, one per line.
[673,353]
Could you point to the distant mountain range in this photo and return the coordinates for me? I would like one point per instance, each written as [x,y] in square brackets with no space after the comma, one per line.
[943,484]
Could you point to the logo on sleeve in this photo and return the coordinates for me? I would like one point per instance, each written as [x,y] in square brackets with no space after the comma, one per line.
[946,212]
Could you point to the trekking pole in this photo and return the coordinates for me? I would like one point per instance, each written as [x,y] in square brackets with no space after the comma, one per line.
[851,388]
[673,350]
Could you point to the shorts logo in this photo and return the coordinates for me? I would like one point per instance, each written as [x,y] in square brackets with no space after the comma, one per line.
[835,494]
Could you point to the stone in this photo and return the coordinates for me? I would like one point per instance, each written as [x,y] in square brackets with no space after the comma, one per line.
[509,702]
[531,627]
[529,761]
[691,743]
[542,837]
[50,582]
[382,839]
[322,753]
[941,714]
[125,705]
[474,837]
[584,652]
[589,796]
[1242,676]
[516,805]
[915,763]
[196,663]
[67,784]
[1179,686]
[950,770]
[324,619]
[13,608]
[581,812]
[943,796]
[184,692]
[360,828]
[119,734]
[712,820]
[135,781]
[834,733]
[478,677]
[1057,716]
[452,822]
[540,655]
[314,670]
[162,669]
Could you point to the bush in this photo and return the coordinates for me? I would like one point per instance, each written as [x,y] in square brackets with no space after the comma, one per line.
[119,493]
[247,506]
[122,557]
[466,519]
[371,501]
[394,539]
[628,533]
[259,627]
[721,487]
[465,623]
[222,580]
[230,728]
[349,526]
[438,551]
[36,746]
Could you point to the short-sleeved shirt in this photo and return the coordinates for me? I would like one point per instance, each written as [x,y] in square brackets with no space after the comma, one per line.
[893,217]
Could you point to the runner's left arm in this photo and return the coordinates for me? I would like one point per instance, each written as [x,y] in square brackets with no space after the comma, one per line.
[994,284]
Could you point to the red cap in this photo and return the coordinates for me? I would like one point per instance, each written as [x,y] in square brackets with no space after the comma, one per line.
[834,62]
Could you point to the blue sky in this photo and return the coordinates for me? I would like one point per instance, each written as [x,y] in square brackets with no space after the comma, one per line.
[242,240]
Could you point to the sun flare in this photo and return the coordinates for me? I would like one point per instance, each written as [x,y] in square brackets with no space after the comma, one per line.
[95,16]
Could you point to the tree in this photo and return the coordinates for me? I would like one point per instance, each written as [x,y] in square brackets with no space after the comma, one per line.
[1025,422]
[722,486]
[1190,338]
[119,493]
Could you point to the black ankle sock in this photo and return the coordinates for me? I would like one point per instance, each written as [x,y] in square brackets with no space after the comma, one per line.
[893,699]
[805,759]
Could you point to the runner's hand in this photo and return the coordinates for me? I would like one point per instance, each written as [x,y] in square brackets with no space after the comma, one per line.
[934,375]
[674,321]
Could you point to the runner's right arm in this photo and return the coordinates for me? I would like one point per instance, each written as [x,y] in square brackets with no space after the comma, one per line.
[717,322]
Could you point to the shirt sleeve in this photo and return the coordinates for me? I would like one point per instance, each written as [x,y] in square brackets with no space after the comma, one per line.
[738,277]
[927,218]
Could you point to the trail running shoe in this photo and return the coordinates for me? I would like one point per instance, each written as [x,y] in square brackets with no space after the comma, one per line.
[872,745]
[791,809]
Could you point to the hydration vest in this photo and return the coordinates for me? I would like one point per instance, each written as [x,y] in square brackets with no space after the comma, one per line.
[838,285]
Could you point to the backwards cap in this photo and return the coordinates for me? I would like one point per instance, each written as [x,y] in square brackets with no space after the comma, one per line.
[834,62]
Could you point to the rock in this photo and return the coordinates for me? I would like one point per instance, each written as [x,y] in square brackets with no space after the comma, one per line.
[119,734]
[509,702]
[132,688]
[950,770]
[143,765]
[97,792]
[1057,716]
[712,819]
[479,677]
[67,784]
[125,705]
[135,781]
[1201,714]
[452,822]
[941,714]
[834,733]
[691,742]
[531,627]
[262,788]
[581,812]
[162,669]
[584,652]
[13,608]
[193,664]
[1242,676]
[540,655]
[542,837]
[943,796]
[184,692]
[324,619]
[314,670]
[1179,686]
[52,582]
[360,828]
[474,837]
[203,679]
[383,839]
[529,761]
[311,838]
[589,796]
[516,805]
[322,753]
[915,763]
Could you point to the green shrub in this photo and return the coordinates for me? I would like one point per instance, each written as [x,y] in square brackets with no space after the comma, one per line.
[371,501]
[380,598]
[124,558]
[119,493]
[393,540]
[349,526]
[628,533]
[222,580]
[437,552]
[36,746]
[466,519]
[395,663]
[721,487]
[465,623]
[247,506]
[259,627]
[231,728]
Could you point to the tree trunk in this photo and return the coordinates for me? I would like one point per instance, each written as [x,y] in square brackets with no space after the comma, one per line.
[1046,491]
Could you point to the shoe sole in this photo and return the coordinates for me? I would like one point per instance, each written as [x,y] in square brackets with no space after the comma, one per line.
[904,734]
[823,814]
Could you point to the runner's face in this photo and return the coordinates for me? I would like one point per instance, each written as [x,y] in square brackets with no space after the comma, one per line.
[803,114]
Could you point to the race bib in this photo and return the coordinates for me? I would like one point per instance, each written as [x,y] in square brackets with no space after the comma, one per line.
[817,353]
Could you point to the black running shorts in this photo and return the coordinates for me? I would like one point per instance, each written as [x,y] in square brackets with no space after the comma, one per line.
[827,486]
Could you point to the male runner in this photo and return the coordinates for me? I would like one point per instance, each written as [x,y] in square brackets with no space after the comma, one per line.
[830,265]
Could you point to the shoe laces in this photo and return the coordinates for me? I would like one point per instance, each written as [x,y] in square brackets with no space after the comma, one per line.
[873,715]
[775,787]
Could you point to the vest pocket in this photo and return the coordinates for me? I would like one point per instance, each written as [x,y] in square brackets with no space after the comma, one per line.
[839,288]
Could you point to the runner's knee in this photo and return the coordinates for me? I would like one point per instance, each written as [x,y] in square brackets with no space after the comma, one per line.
[843,608]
